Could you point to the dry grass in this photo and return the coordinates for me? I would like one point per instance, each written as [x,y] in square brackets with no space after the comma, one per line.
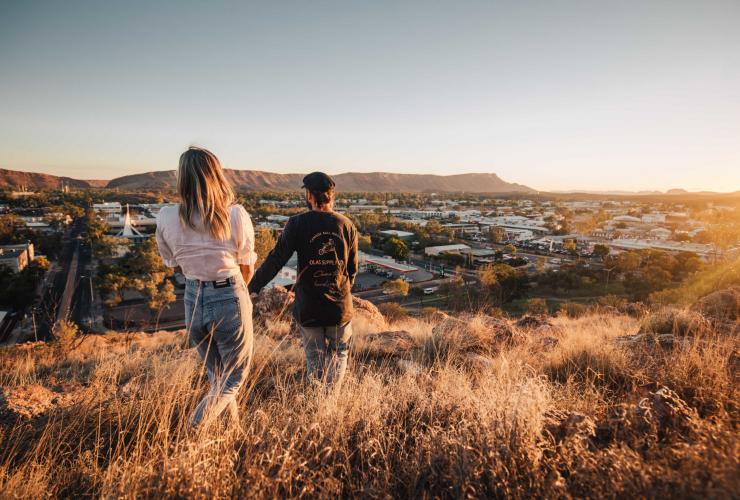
[471,410]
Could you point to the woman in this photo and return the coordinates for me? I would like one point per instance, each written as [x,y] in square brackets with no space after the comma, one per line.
[211,240]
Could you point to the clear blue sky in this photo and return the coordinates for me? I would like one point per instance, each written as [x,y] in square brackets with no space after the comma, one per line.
[553,94]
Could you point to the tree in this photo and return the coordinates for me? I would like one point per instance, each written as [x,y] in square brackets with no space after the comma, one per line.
[159,296]
[418,292]
[628,261]
[497,234]
[600,251]
[264,242]
[511,249]
[365,242]
[111,284]
[396,248]
[396,287]
[570,246]
[501,281]
[541,264]
[392,311]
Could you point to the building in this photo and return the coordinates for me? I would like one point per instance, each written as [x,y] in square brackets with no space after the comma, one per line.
[385,262]
[16,257]
[367,208]
[512,234]
[660,233]
[667,246]
[627,219]
[108,208]
[277,218]
[129,231]
[434,251]
[653,218]
[288,275]
[403,235]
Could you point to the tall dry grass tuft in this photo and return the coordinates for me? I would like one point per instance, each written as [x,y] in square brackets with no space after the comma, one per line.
[479,407]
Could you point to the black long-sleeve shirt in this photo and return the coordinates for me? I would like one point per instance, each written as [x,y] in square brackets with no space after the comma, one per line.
[326,243]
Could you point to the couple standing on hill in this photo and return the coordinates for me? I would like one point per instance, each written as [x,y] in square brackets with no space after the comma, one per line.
[210,239]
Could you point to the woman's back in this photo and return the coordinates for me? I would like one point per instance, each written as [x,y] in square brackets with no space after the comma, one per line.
[199,255]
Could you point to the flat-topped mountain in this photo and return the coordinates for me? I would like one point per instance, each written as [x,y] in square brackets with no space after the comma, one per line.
[255,180]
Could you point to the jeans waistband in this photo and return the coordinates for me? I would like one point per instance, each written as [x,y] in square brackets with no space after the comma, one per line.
[222,283]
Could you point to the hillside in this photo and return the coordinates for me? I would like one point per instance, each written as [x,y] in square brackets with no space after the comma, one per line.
[475,407]
[14,179]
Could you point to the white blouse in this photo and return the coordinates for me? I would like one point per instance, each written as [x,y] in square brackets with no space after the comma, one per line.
[199,255]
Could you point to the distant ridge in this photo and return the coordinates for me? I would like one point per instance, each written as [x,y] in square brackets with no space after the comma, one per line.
[255,180]
[15,179]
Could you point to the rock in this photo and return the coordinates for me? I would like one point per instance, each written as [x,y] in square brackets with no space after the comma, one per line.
[671,412]
[366,310]
[410,367]
[31,401]
[574,425]
[666,340]
[274,303]
[548,343]
[478,361]
[436,316]
[539,325]
[649,419]
[533,322]
[391,342]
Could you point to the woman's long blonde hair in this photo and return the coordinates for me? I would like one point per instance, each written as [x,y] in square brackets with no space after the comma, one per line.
[203,188]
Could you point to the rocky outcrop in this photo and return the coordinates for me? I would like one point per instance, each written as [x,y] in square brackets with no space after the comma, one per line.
[33,400]
[275,304]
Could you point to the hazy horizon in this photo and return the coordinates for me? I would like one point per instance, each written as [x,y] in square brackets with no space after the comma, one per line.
[564,95]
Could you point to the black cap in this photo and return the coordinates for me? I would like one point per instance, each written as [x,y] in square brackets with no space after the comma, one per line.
[318,182]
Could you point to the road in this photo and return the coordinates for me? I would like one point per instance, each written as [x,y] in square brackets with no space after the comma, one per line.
[54,302]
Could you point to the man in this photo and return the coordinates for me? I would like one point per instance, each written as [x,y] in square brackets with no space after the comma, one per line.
[326,243]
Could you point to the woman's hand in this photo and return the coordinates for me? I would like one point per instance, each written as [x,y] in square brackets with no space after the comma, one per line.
[247,272]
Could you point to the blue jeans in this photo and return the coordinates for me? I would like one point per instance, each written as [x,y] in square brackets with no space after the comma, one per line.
[327,349]
[219,325]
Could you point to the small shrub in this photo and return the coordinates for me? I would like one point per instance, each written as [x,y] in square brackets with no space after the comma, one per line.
[573,310]
[454,339]
[679,322]
[66,334]
[393,311]
[537,307]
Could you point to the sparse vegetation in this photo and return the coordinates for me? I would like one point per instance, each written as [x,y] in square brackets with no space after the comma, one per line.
[477,406]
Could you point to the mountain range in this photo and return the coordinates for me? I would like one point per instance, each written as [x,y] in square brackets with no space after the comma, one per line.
[255,180]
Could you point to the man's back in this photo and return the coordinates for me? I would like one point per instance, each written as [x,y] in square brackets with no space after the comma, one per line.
[326,243]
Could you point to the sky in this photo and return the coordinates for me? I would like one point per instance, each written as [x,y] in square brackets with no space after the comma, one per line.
[554,94]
